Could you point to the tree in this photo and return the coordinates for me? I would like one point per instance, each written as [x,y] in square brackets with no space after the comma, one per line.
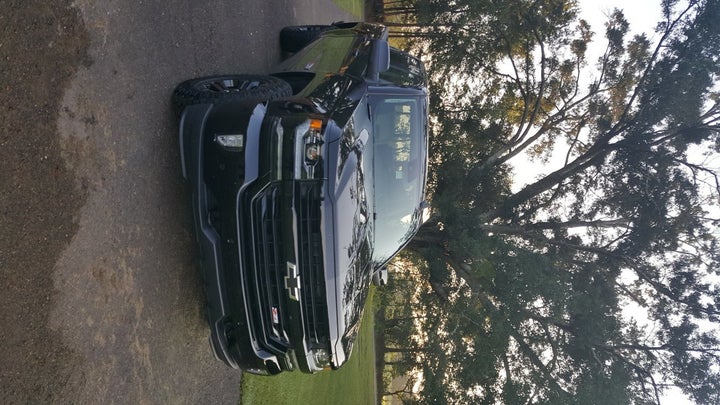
[537,278]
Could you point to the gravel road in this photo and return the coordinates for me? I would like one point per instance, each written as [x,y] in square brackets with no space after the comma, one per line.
[101,300]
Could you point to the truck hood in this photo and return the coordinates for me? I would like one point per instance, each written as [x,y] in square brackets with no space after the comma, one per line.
[348,260]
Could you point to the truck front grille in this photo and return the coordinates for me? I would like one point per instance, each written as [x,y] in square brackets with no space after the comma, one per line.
[270,258]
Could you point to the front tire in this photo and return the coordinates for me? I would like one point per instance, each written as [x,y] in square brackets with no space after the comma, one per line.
[230,88]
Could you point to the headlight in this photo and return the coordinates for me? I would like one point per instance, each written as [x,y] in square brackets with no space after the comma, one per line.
[313,141]
[309,141]
[312,152]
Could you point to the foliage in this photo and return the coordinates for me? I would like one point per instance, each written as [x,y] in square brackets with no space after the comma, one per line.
[355,379]
[534,281]
[354,7]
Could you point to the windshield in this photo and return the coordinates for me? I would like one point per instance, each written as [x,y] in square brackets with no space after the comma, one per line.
[399,171]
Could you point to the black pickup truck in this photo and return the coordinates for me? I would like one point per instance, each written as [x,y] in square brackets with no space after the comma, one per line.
[305,183]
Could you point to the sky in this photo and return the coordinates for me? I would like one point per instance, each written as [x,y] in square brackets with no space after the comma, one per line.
[642,14]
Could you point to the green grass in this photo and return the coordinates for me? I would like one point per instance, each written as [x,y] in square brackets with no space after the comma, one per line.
[354,7]
[353,383]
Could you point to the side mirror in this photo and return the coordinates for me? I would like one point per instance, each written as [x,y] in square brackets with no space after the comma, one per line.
[379,59]
[380,276]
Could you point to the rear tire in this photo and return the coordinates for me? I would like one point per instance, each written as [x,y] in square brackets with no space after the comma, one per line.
[229,88]
[295,38]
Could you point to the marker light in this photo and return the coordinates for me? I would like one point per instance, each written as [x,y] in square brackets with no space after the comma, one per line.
[231,141]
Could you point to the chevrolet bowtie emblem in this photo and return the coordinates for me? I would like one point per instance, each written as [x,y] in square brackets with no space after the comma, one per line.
[292,281]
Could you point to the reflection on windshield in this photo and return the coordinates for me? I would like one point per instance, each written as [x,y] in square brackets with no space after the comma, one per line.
[398,163]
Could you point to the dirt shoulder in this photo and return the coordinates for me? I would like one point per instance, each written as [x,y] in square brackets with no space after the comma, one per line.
[42,44]
[101,299]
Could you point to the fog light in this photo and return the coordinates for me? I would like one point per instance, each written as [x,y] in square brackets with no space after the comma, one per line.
[322,358]
[231,141]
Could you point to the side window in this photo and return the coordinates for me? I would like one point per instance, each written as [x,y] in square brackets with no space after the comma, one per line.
[405,70]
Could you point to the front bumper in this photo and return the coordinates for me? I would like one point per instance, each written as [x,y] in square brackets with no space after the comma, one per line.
[231,335]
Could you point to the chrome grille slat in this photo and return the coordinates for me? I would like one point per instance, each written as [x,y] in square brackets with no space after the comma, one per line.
[313,276]
[268,269]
